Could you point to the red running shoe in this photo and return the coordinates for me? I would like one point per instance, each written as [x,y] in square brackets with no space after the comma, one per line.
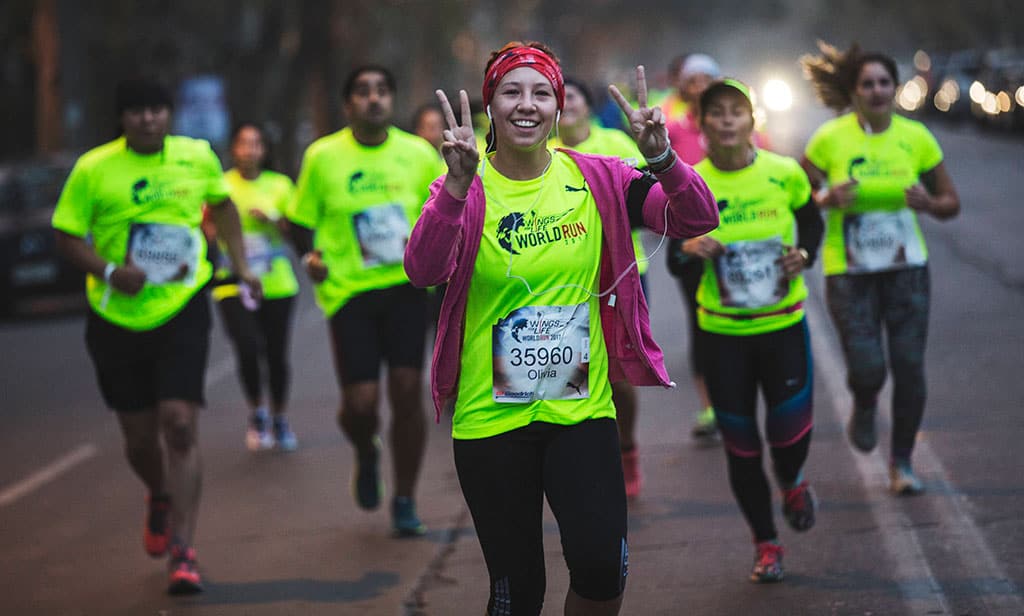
[798,505]
[767,563]
[184,576]
[631,472]
[156,530]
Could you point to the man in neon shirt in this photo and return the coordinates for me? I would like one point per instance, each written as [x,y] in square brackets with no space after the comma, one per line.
[359,193]
[140,199]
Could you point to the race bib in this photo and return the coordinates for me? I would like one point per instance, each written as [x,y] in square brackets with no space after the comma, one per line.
[879,241]
[383,232]
[542,353]
[166,253]
[259,252]
[749,274]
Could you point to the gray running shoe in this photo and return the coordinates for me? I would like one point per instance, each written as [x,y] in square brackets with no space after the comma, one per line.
[861,429]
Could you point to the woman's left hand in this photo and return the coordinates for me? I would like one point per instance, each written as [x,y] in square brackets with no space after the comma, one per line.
[793,262]
[918,198]
[646,124]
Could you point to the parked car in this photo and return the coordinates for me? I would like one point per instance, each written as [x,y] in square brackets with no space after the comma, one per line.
[33,277]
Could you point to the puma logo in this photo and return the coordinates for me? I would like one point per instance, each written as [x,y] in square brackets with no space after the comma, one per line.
[571,384]
[574,189]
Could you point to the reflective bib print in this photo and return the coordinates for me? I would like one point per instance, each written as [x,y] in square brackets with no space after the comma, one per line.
[383,232]
[749,274]
[880,241]
[542,353]
[166,253]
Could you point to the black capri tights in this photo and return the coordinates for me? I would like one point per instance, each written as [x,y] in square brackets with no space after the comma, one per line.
[260,335]
[504,479]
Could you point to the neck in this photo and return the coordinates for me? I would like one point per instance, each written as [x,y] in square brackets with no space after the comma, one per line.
[144,148]
[370,135]
[249,172]
[572,136]
[520,164]
[732,158]
[872,123]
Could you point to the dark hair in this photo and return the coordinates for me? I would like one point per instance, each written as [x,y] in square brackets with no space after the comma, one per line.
[141,92]
[350,81]
[834,73]
[422,110]
[582,87]
[676,65]
[268,152]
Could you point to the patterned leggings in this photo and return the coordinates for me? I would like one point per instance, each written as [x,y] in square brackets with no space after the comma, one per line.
[861,304]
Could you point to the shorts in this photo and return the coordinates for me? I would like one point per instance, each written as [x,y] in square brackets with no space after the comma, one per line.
[138,369]
[381,325]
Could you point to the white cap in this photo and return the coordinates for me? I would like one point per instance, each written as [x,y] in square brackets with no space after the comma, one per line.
[700,63]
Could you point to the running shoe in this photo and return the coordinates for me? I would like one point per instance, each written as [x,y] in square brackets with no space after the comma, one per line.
[705,425]
[902,480]
[631,472]
[367,485]
[183,574]
[798,506]
[861,429]
[283,435]
[404,519]
[156,531]
[767,563]
[257,436]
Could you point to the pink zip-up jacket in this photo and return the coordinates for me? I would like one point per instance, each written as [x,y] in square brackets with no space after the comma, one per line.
[444,244]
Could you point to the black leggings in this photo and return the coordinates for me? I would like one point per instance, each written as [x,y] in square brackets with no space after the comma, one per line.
[256,335]
[504,479]
[780,363]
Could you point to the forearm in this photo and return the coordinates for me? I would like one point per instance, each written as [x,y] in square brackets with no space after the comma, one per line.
[302,238]
[810,228]
[229,230]
[80,254]
[944,206]
[691,206]
[432,252]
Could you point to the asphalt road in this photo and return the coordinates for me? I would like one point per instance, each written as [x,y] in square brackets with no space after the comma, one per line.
[279,533]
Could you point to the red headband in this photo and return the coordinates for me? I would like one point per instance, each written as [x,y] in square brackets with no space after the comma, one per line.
[524,56]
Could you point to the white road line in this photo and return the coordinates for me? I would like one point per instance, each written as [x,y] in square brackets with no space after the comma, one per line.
[48,473]
[914,575]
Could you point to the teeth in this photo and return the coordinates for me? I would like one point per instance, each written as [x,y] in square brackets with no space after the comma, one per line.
[525,123]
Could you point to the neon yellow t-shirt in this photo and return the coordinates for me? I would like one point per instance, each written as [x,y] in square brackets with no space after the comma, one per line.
[534,357]
[613,142]
[147,207]
[265,250]
[744,292]
[878,231]
[362,201]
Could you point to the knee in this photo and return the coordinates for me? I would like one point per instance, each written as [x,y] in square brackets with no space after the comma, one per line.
[866,370]
[600,575]
[179,426]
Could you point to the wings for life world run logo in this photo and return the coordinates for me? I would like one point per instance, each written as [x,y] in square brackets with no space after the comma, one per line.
[518,231]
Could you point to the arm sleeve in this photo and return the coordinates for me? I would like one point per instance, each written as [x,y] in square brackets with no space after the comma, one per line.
[305,205]
[433,249]
[809,224]
[817,151]
[930,154]
[217,189]
[683,200]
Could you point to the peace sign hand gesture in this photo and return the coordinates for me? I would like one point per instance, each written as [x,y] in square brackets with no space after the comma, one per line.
[646,124]
[459,147]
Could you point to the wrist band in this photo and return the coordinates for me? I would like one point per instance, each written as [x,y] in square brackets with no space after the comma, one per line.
[108,271]
[660,158]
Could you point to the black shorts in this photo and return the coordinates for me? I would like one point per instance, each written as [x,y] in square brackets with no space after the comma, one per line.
[137,369]
[385,324]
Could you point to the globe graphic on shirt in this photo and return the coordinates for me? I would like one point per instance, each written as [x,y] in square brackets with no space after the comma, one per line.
[508,226]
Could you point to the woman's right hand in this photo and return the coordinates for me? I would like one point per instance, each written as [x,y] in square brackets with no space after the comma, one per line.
[459,147]
[703,247]
[128,279]
[840,196]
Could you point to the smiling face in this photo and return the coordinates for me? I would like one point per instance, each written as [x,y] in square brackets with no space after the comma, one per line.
[727,121]
[874,91]
[575,112]
[371,102]
[523,110]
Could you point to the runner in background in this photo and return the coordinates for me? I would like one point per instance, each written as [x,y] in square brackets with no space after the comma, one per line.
[138,200]
[428,123]
[259,331]
[873,172]
[543,310]
[750,301]
[359,192]
[577,131]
